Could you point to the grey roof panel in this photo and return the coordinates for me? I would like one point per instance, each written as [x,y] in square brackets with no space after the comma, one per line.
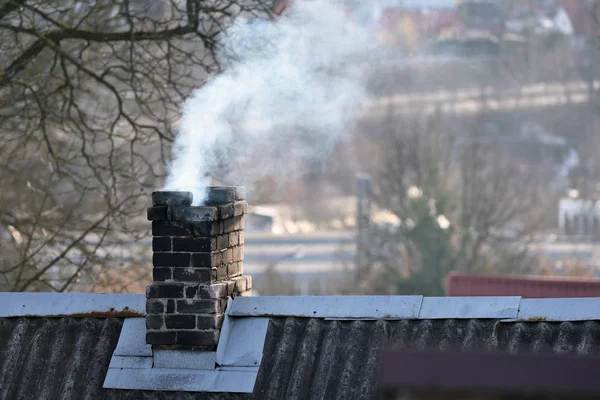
[308,358]
[304,358]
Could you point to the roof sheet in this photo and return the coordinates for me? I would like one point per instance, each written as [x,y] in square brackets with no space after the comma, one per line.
[460,284]
[304,358]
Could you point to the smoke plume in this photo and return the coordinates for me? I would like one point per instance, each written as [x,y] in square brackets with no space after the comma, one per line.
[289,89]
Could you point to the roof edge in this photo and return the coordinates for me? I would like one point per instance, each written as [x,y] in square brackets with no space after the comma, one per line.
[76,305]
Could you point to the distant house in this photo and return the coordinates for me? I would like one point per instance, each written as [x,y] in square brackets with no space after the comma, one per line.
[579,217]
[460,284]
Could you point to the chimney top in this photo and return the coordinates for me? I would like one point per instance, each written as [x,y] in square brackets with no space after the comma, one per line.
[213,196]
[168,198]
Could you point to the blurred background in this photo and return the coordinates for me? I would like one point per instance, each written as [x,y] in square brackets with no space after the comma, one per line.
[475,151]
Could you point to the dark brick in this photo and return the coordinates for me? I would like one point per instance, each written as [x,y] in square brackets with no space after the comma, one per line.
[209,321]
[154,307]
[206,259]
[196,275]
[198,306]
[192,244]
[154,322]
[172,198]
[238,253]
[213,274]
[217,195]
[227,256]
[233,224]
[191,291]
[223,242]
[170,306]
[161,337]
[198,338]
[194,213]
[180,321]
[239,208]
[222,272]
[161,274]
[161,244]
[208,228]
[158,213]
[171,259]
[173,290]
[226,211]
[163,228]
[234,269]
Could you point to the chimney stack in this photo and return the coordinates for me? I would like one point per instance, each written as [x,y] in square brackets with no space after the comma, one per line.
[198,253]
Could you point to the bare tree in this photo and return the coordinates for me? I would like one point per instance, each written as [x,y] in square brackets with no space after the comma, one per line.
[463,204]
[89,103]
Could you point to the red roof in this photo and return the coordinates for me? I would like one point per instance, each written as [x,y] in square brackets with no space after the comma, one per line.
[460,284]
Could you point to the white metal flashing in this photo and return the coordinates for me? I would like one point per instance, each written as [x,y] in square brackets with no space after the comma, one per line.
[331,307]
[135,366]
[183,359]
[132,341]
[71,304]
[469,307]
[219,380]
[558,310]
[327,307]
[245,342]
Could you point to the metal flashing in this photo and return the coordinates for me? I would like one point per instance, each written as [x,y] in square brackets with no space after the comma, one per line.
[135,366]
[183,359]
[469,307]
[177,380]
[76,305]
[132,341]
[342,307]
[559,310]
[245,342]
[130,362]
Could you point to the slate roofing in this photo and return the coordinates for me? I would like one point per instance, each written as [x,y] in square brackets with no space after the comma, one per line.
[322,348]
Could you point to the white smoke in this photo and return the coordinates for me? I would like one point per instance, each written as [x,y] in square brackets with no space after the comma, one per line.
[289,89]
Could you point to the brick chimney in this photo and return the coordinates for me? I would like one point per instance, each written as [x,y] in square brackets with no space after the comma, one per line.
[198,253]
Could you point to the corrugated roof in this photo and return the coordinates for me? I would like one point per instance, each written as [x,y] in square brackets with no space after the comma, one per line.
[304,358]
[460,284]
[67,358]
[311,358]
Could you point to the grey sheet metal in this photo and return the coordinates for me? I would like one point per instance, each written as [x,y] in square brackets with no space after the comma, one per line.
[469,307]
[575,309]
[224,381]
[329,307]
[132,341]
[242,340]
[72,304]
[183,359]
[135,366]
